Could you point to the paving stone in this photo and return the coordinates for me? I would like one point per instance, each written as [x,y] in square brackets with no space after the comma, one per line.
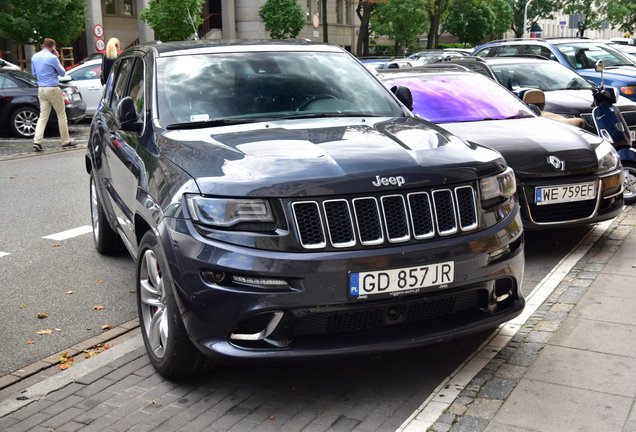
[548,326]
[539,337]
[484,408]
[93,376]
[63,417]
[555,316]
[90,415]
[457,408]
[71,426]
[470,424]
[525,354]
[66,403]
[593,335]
[511,372]
[344,423]
[496,388]
[31,409]
[64,392]
[95,387]
[440,427]
[7,422]
[30,422]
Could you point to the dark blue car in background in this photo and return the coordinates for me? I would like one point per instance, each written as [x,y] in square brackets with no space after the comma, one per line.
[579,55]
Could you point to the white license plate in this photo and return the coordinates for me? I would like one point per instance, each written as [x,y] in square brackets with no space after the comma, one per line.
[76,97]
[401,280]
[632,134]
[566,193]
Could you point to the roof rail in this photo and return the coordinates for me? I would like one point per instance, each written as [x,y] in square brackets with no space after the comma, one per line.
[514,40]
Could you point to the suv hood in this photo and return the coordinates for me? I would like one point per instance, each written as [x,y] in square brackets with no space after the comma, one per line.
[325,156]
[527,143]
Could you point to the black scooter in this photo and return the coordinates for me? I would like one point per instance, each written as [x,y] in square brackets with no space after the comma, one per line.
[611,126]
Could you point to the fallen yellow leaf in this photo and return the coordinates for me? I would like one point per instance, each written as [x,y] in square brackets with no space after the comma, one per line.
[43,315]
[99,282]
[30,341]
[44,332]
[22,306]
[69,292]
[106,327]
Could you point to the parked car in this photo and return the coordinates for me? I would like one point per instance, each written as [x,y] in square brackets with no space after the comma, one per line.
[94,56]
[281,204]
[565,175]
[86,78]
[627,50]
[580,55]
[398,64]
[6,65]
[436,56]
[20,107]
[566,92]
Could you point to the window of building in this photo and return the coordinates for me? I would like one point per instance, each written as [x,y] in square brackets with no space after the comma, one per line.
[348,13]
[309,9]
[118,7]
[339,11]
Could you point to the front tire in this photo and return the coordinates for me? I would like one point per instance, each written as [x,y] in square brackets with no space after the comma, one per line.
[629,195]
[23,121]
[170,350]
[107,241]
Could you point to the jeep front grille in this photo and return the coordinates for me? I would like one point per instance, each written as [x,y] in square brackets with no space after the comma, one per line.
[393,218]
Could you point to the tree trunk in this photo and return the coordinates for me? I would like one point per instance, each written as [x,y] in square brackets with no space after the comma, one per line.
[431,42]
[362,47]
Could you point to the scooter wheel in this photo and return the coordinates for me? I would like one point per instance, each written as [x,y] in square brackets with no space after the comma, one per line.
[629,194]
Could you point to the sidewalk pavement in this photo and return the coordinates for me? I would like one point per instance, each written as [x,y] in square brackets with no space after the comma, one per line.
[570,367]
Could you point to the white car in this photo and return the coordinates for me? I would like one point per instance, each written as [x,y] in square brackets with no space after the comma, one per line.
[86,78]
[6,65]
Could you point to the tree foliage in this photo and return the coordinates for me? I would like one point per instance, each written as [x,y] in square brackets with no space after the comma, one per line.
[622,14]
[284,19]
[538,9]
[173,19]
[400,20]
[471,20]
[27,22]
[593,12]
[503,13]
[365,10]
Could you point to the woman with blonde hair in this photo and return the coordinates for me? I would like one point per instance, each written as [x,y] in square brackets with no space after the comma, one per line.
[112,51]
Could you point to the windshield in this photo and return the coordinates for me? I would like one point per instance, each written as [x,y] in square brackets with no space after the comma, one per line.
[582,55]
[546,76]
[206,88]
[463,97]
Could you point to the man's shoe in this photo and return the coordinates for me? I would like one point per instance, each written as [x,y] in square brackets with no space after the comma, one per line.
[69,144]
[37,147]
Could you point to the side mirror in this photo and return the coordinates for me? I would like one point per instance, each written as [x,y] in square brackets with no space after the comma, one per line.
[599,66]
[404,95]
[66,78]
[127,115]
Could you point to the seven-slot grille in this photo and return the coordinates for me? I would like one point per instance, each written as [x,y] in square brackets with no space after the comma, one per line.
[393,218]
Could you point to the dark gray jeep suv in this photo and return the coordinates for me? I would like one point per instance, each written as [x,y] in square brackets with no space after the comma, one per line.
[281,203]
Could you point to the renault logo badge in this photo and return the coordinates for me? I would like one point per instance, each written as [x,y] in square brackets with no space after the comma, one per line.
[556,162]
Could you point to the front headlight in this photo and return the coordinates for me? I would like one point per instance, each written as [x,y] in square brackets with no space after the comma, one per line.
[608,158]
[502,185]
[227,212]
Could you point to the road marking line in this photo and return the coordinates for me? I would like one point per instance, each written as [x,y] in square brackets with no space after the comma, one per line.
[445,394]
[3,254]
[70,233]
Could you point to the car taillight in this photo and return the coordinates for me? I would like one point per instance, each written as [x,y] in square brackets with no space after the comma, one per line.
[67,98]
[6,98]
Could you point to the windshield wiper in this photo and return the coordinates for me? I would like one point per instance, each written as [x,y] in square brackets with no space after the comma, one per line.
[324,115]
[213,123]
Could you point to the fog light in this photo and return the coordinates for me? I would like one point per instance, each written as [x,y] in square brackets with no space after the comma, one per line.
[499,253]
[213,276]
[503,290]
[260,282]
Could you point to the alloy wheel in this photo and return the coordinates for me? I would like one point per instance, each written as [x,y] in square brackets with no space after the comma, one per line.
[154,314]
[630,183]
[25,121]
[94,211]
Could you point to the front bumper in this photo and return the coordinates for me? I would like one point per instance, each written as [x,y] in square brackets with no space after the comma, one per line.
[314,317]
[607,204]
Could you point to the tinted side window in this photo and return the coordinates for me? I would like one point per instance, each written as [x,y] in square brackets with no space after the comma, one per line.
[136,88]
[540,51]
[510,50]
[487,52]
[86,73]
[121,81]
[6,83]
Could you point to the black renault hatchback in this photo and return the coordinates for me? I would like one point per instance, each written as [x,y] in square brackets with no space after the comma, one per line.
[281,203]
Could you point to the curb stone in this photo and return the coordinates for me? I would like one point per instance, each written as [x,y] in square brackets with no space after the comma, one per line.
[479,401]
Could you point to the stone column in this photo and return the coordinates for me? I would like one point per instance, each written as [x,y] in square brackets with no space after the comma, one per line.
[93,17]
[146,34]
[228,19]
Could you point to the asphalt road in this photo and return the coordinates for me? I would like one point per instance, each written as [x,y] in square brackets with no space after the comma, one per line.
[47,193]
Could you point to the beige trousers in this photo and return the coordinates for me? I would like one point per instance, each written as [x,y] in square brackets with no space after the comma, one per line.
[51,97]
